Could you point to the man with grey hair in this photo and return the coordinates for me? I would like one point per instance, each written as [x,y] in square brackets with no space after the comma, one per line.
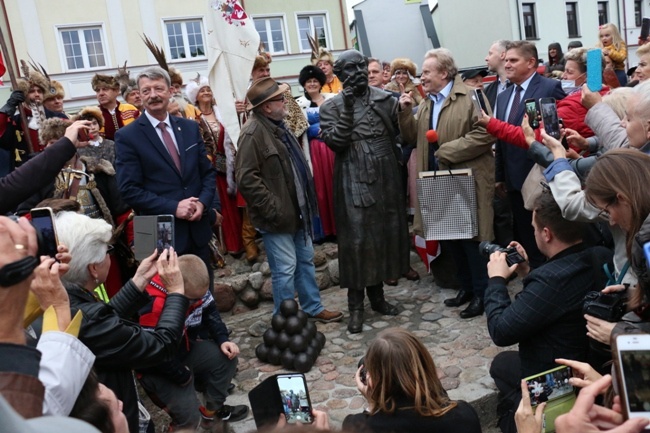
[496,60]
[163,168]
[461,144]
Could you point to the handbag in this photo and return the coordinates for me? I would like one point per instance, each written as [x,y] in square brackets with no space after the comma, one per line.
[448,204]
[532,187]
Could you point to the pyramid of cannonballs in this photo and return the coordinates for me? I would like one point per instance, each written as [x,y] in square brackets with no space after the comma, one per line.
[292,341]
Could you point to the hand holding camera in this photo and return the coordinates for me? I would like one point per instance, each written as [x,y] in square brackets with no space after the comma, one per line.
[504,261]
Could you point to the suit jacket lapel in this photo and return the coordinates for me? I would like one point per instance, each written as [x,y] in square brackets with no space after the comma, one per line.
[504,98]
[178,133]
[152,135]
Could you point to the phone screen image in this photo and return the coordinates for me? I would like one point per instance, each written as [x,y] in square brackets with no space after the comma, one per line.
[550,117]
[636,369]
[295,398]
[164,233]
[552,386]
[42,219]
[531,112]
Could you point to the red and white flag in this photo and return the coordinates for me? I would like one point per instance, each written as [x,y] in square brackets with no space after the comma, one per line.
[427,250]
[232,47]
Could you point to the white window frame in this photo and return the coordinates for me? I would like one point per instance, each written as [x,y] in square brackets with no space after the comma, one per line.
[186,43]
[310,14]
[285,37]
[80,28]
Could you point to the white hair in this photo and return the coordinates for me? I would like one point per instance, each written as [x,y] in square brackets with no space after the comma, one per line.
[87,240]
[642,108]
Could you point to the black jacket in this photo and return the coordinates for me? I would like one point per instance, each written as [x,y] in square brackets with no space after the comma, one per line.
[121,345]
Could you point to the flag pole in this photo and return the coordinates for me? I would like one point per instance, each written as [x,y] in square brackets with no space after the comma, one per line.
[14,82]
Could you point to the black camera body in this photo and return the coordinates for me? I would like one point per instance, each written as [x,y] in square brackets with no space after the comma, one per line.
[362,374]
[606,306]
[512,256]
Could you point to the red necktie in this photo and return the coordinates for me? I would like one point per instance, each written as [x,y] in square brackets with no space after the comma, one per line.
[169,144]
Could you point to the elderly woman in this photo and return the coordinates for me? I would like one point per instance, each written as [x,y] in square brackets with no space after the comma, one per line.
[222,154]
[119,344]
[320,157]
[403,72]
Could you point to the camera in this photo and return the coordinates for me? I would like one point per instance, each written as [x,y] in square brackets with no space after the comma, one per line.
[512,256]
[607,306]
[362,374]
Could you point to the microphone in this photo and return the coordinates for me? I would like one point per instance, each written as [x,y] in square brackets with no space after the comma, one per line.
[432,136]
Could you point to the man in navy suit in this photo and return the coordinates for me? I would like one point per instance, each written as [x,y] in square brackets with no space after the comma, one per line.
[162,166]
[512,163]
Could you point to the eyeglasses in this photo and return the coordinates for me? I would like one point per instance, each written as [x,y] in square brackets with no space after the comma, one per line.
[280,98]
[109,249]
[604,212]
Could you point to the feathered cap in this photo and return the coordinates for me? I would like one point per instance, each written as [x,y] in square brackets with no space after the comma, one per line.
[403,63]
[311,71]
[127,84]
[52,129]
[193,87]
[92,112]
[53,89]
[263,58]
[319,53]
[100,80]
[174,75]
[32,78]
[56,89]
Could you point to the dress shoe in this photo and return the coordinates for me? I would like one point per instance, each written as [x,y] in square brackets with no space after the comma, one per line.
[475,308]
[327,316]
[412,275]
[461,298]
[355,325]
[383,307]
[391,282]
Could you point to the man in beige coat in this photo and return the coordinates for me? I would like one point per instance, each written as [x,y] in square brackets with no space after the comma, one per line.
[462,143]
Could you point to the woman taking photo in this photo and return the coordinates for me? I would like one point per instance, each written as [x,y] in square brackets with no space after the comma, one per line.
[404,393]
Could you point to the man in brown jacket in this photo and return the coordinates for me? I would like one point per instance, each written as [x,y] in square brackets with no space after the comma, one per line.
[462,143]
[274,179]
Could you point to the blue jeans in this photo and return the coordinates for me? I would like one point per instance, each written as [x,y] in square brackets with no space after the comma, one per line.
[291,258]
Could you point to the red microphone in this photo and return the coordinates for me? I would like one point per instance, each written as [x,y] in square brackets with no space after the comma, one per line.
[432,136]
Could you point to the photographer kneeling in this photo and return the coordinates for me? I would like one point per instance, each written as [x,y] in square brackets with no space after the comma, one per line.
[545,318]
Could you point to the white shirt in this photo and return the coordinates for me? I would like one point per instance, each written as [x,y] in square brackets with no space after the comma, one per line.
[155,122]
[524,86]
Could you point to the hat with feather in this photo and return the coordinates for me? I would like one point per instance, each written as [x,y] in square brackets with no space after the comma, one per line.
[193,86]
[54,88]
[127,84]
[319,53]
[174,75]
[32,78]
[263,58]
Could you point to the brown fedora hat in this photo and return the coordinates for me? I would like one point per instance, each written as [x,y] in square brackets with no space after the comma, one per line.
[262,90]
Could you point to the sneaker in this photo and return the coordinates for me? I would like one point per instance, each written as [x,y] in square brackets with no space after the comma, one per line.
[327,316]
[232,413]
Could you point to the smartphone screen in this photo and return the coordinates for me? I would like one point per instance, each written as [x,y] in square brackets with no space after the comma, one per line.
[531,112]
[43,221]
[295,398]
[164,232]
[550,385]
[633,353]
[480,100]
[550,117]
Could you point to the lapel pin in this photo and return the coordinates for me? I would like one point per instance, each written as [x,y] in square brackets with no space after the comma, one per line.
[179,128]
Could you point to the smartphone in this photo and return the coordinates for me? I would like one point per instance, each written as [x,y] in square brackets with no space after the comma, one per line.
[43,221]
[531,111]
[164,232]
[553,387]
[83,135]
[595,69]
[478,101]
[295,398]
[549,117]
[645,29]
[363,373]
[632,360]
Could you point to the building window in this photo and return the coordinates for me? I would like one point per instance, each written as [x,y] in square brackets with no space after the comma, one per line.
[83,48]
[603,13]
[530,25]
[638,12]
[185,39]
[307,25]
[572,19]
[271,32]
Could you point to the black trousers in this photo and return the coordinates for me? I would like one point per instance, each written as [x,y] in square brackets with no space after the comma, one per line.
[506,372]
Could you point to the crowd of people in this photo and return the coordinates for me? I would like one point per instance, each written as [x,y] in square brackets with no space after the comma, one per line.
[338,163]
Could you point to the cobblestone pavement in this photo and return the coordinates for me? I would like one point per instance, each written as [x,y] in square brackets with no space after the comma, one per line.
[462,351]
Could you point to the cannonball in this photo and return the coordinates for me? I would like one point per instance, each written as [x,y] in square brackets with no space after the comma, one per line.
[298,343]
[302,363]
[282,342]
[303,317]
[262,352]
[287,359]
[293,326]
[321,339]
[277,322]
[270,336]
[274,355]
[305,334]
[311,327]
[315,344]
[312,352]
[289,308]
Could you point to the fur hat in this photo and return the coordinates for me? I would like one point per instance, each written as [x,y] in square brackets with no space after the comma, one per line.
[175,76]
[127,84]
[55,89]
[33,79]
[92,111]
[323,54]
[193,87]
[100,80]
[403,63]
[52,129]
[263,58]
[311,71]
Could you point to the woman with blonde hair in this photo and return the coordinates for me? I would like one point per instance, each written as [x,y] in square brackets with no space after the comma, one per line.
[403,390]
[613,46]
